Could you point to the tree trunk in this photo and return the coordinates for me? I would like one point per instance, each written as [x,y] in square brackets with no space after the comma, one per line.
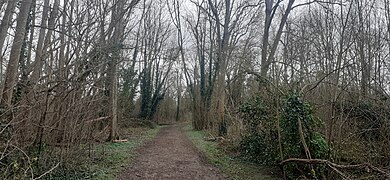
[44,42]
[267,26]
[114,102]
[223,38]
[178,96]
[5,23]
[267,60]
[12,67]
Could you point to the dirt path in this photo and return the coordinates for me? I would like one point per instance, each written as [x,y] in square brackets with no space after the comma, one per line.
[171,155]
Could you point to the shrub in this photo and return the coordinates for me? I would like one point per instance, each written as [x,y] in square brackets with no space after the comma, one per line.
[260,142]
[294,110]
[254,113]
[257,145]
[257,148]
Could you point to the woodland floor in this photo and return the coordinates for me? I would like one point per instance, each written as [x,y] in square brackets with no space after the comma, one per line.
[171,155]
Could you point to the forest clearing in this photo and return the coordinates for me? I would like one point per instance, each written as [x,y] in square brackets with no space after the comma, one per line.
[195,89]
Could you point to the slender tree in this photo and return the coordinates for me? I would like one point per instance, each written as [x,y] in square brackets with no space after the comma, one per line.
[12,67]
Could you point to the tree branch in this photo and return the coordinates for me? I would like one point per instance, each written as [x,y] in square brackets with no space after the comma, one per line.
[335,167]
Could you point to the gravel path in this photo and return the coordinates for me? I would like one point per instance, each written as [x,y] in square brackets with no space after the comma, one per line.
[170,155]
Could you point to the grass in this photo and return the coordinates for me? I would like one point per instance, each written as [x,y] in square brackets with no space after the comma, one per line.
[234,168]
[119,155]
[108,159]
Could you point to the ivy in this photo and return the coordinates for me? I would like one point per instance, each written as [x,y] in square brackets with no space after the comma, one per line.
[254,113]
[295,109]
[260,143]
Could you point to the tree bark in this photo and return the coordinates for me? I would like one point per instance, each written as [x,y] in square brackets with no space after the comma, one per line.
[5,23]
[44,40]
[12,67]
[112,66]
[223,38]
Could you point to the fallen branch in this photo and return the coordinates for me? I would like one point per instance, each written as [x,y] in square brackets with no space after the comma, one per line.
[119,140]
[335,166]
[214,138]
[98,119]
[47,172]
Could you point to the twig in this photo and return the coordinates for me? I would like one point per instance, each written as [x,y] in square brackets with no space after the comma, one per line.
[28,158]
[47,172]
[265,79]
[97,119]
[316,1]
[338,171]
[334,166]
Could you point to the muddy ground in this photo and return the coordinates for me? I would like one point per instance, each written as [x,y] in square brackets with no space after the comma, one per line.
[170,155]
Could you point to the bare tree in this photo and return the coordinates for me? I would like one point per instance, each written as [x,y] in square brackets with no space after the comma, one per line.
[267,57]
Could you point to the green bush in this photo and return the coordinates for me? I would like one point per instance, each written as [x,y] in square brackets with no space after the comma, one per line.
[318,146]
[256,148]
[294,110]
[255,113]
[260,143]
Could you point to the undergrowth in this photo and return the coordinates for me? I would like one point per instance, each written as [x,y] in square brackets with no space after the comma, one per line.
[103,161]
[233,167]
